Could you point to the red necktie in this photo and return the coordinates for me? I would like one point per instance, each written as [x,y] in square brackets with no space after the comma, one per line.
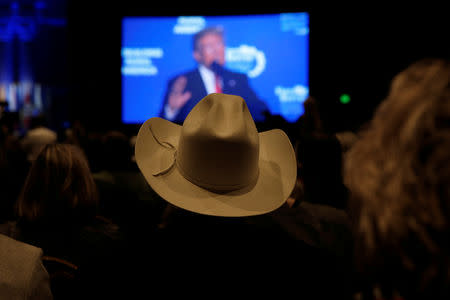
[218,87]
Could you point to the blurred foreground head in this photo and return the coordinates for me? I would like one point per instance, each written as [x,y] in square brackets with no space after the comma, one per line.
[398,174]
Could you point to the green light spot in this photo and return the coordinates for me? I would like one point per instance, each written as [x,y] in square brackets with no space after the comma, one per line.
[345,98]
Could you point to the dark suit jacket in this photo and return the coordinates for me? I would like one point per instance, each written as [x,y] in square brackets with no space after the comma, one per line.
[233,84]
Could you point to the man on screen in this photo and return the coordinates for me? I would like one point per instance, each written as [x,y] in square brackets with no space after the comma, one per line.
[186,90]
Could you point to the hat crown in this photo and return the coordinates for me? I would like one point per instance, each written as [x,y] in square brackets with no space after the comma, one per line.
[218,147]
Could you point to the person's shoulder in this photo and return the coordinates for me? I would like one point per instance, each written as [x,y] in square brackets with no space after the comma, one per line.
[23,273]
[12,248]
[19,259]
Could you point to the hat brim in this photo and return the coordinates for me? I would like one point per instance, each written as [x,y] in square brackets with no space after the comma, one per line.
[276,180]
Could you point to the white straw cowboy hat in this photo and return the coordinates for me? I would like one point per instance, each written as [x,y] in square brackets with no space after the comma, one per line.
[217,163]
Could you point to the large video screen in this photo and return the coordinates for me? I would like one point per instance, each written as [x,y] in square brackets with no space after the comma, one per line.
[170,63]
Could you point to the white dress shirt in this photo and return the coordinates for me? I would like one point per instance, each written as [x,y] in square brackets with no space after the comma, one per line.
[209,79]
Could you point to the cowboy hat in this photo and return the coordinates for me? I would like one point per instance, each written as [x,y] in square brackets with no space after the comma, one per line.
[217,163]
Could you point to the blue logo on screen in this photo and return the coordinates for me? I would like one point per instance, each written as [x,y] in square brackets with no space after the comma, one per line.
[246,59]
[298,23]
[291,100]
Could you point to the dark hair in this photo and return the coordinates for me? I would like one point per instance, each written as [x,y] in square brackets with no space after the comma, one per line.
[59,185]
[398,174]
[217,30]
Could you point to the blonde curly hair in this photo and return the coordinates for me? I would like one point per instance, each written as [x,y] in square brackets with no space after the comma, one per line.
[398,174]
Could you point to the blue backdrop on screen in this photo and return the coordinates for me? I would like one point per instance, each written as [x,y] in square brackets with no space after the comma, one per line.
[271,49]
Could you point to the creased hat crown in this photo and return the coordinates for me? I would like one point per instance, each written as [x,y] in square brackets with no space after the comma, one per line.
[218,147]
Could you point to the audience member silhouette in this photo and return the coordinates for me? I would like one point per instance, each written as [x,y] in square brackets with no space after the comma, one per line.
[125,196]
[37,137]
[57,212]
[315,212]
[216,233]
[76,134]
[13,170]
[22,273]
[398,173]
[319,159]
[311,122]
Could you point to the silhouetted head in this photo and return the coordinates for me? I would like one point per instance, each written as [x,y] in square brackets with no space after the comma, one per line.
[59,185]
[398,173]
